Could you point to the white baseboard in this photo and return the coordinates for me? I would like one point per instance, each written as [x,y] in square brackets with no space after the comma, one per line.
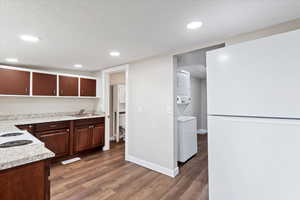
[65,162]
[169,172]
[202,131]
[105,148]
[112,138]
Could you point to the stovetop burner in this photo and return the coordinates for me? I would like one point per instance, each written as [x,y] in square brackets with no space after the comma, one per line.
[15,143]
[12,134]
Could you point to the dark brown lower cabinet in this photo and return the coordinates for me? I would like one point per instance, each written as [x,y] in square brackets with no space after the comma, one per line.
[64,138]
[57,141]
[87,137]
[26,182]
[98,135]
[82,138]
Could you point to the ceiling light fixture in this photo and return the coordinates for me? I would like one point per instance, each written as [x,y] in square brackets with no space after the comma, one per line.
[114,53]
[12,60]
[194,25]
[29,38]
[78,65]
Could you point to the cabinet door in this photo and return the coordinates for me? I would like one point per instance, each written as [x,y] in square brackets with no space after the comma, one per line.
[44,84]
[87,87]
[83,138]
[13,82]
[68,86]
[98,135]
[58,142]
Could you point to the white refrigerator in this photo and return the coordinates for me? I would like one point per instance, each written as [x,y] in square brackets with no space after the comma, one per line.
[254,119]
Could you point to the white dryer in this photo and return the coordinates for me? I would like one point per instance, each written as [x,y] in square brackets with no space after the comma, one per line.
[187,137]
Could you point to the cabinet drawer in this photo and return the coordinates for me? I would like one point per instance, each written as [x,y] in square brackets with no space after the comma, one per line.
[83,122]
[52,126]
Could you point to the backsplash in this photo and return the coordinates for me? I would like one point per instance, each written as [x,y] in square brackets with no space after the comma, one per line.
[13,107]
[40,115]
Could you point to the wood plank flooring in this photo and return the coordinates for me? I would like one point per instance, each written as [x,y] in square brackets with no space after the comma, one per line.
[106,175]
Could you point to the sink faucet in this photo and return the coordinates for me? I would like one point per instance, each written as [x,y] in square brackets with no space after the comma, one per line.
[81,112]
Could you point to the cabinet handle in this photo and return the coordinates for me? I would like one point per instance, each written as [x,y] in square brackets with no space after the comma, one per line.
[61,91]
[26,89]
[91,126]
[52,126]
[54,91]
[68,130]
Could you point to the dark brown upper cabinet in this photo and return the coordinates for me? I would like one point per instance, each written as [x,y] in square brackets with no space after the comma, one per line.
[87,87]
[14,82]
[68,86]
[44,84]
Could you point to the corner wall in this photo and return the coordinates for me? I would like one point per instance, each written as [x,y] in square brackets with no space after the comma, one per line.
[151,115]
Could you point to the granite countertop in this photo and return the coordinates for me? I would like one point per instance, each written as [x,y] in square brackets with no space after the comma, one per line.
[15,122]
[17,156]
[21,155]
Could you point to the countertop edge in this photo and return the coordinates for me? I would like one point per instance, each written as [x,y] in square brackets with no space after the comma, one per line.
[27,160]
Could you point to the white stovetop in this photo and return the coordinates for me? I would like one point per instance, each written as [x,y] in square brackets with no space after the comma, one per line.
[25,136]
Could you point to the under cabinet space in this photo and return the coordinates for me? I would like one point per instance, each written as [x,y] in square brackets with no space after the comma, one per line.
[14,82]
[44,84]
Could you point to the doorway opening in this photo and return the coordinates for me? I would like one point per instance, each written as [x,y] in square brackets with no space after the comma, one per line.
[115,98]
[191,106]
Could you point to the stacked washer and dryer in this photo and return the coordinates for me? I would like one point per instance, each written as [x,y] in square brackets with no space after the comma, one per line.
[187,125]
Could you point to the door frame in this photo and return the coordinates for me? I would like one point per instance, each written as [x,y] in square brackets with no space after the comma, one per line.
[106,99]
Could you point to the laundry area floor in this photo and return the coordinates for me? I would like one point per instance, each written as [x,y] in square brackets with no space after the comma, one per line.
[106,175]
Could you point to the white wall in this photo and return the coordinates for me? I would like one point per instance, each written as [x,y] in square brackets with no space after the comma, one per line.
[28,105]
[152,132]
[151,114]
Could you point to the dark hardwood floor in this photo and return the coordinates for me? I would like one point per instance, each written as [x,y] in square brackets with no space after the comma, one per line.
[106,175]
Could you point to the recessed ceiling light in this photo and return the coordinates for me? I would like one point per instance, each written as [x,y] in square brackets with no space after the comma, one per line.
[29,38]
[78,65]
[12,60]
[114,53]
[194,25]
